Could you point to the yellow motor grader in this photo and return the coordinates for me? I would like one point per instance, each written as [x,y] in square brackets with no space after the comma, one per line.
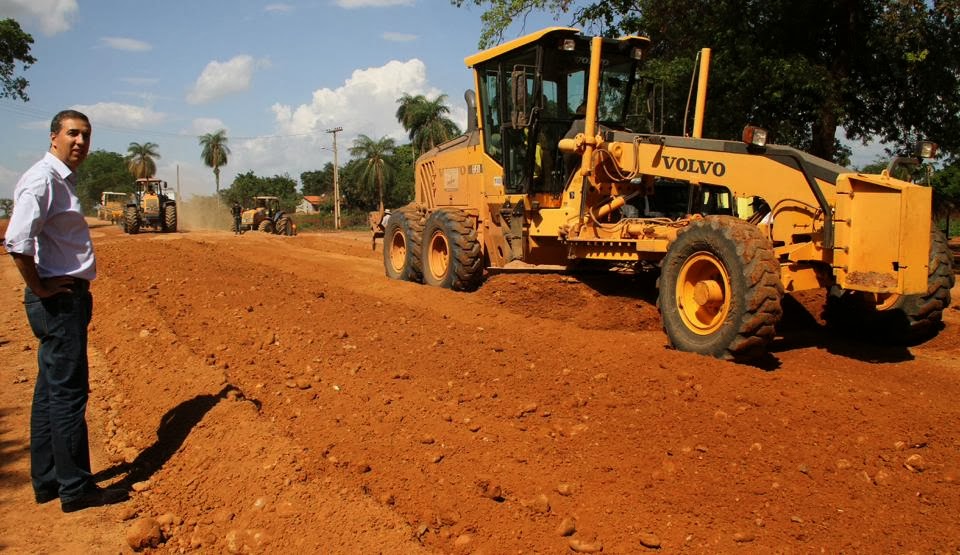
[562,164]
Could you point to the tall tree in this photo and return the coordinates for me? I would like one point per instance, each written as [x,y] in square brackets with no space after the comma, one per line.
[876,68]
[14,47]
[215,152]
[374,155]
[141,159]
[426,120]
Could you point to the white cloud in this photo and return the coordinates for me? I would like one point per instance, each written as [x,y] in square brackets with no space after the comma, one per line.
[219,79]
[399,37]
[278,8]
[126,116]
[366,103]
[202,126]
[127,44]
[350,4]
[52,16]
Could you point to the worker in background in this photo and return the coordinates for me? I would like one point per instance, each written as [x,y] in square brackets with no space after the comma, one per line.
[49,241]
[236,210]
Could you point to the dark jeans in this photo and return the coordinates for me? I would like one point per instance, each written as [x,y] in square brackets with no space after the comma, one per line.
[59,450]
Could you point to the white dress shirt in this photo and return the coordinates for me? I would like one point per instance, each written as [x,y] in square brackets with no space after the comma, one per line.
[47,222]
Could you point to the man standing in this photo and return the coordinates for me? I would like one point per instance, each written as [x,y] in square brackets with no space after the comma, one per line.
[236,210]
[49,241]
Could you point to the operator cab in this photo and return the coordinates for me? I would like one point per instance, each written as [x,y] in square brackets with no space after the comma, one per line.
[533,95]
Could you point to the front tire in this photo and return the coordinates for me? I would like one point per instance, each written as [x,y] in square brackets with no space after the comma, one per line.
[170,218]
[901,319]
[720,290]
[452,257]
[266,226]
[131,220]
[401,245]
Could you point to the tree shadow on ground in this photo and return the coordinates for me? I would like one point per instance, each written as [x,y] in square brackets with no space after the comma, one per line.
[174,428]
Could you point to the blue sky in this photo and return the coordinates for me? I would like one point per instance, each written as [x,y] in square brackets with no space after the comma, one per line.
[275,75]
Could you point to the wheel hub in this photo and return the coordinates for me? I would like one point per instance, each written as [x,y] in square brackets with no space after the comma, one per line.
[398,251]
[703,293]
[439,256]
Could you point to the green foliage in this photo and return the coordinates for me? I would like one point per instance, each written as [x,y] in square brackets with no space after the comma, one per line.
[215,152]
[6,207]
[14,47]
[317,182]
[946,190]
[400,192]
[426,121]
[887,68]
[248,185]
[350,218]
[359,194]
[502,13]
[102,171]
[140,159]
[375,158]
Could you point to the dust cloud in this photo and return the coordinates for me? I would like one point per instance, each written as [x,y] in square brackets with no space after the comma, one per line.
[203,212]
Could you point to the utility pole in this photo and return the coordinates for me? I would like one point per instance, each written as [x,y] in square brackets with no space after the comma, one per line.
[336,179]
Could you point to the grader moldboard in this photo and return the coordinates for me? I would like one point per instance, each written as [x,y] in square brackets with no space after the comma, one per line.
[151,205]
[551,171]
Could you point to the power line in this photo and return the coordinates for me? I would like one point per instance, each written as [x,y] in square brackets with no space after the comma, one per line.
[19,109]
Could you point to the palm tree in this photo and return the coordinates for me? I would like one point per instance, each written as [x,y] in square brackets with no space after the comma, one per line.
[374,154]
[140,159]
[215,151]
[426,121]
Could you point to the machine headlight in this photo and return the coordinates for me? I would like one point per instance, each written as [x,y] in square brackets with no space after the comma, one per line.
[755,136]
[927,149]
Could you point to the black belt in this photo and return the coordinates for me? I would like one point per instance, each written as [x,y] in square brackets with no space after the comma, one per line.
[78,285]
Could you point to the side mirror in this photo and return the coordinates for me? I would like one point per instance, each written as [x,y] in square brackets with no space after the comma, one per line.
[518,92]
[471,98]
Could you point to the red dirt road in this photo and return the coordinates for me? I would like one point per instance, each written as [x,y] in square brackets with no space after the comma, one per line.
[272,394]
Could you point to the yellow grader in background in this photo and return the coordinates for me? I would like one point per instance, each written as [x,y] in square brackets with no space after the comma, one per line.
[111,206]
[151,205]
[266,216]
[562,163]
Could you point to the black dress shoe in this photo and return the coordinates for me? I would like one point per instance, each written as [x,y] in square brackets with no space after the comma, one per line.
[94,497]
[45,496]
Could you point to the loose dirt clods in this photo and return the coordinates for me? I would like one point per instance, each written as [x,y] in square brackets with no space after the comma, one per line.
[289,398]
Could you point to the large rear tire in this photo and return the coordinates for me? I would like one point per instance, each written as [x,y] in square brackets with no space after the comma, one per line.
[131,220]
[720,290]
[285,226]
[901,319]
[452,257]
[401,245]
[170,218]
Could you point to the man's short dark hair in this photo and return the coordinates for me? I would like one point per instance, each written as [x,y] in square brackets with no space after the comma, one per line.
[57,122]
